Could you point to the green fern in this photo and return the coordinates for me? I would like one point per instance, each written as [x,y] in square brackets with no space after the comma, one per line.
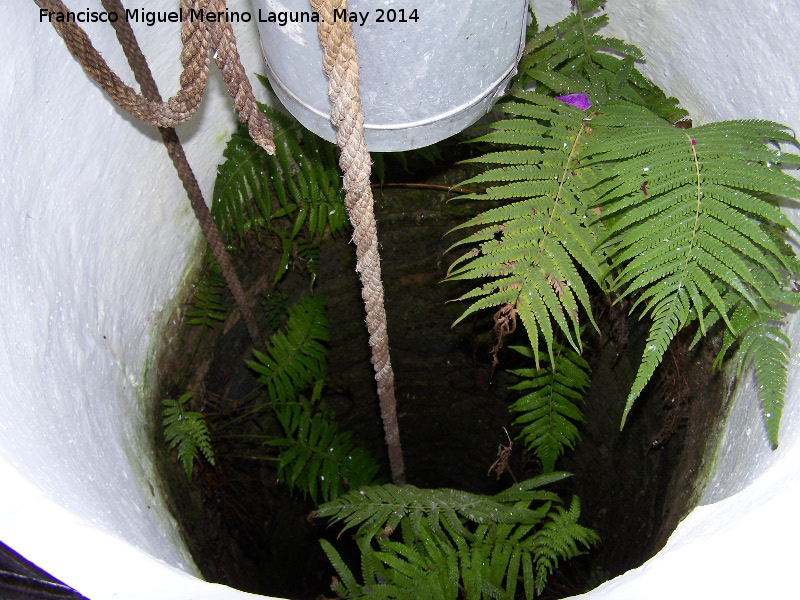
[276,308]
[253,190]
[455,543]
[762,345]
[533,247]
[560,537]
[543,234]
[686,220]
[207,307]
[569,57]
[687,215]
[768,350]
[315,457]
[375,509]
[308,257]
[550,409]
[399,571]
[187,431]
[294,358]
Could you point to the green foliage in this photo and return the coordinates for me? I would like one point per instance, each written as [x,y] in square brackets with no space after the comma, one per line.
[549,410]
[768,350]
[206,305]
[691,219]
[294,358]
[373,509]
[560,538]
[315,457]
[762,345]
[301,183]
[187,431]
[276,307]
[685,222]
[532,248]
[453,541]
[308,257]
[535,245]
[570,57]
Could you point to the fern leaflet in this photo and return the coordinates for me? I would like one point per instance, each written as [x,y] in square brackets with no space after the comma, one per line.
[207,307]
[276,308]
[550,409]
[762,345]
[294,357]
[560,537]
[569,57]
[532,247]
[768,350]
[687,216]
[315,457]
[373,509]
[399,572]
[187,431]
[447,557]
[253,190]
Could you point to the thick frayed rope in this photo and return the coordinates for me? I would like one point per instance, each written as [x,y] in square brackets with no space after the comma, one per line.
[199,37]
[340,63]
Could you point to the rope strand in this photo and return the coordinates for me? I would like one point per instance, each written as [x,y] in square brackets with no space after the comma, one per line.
[198,38]
[143,75]
[340,62]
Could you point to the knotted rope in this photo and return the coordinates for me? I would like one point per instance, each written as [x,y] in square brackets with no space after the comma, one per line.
[149,107]
[340,62]
[198,38]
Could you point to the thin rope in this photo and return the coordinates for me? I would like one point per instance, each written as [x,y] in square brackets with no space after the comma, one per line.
[197,41]
[143,75]
[198,37]
[340,62]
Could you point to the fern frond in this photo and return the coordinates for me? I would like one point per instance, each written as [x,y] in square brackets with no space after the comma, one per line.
[316,458]
[561,537]
[768,350]
[427,571]
[187,431]
[537,245]
[399,571]
[206,304]
[549,410]
[689,218]
[294,357]
[315,192]
[570,57]
[276,308]
[487,563]
[763,346]
[373,509]
[346,586]
[533,247]
[241,197]
[301,181]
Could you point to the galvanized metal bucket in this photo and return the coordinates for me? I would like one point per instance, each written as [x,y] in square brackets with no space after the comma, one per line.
[428,69]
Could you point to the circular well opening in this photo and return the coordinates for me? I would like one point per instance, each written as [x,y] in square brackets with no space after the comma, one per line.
[246,530]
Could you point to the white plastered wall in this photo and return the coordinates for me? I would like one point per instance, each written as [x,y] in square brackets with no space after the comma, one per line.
[98,240]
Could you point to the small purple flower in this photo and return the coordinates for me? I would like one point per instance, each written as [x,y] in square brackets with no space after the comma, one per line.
[579,100]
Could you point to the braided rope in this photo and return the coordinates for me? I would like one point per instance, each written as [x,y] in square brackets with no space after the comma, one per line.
[340,63]
[143,75]
[198,38]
